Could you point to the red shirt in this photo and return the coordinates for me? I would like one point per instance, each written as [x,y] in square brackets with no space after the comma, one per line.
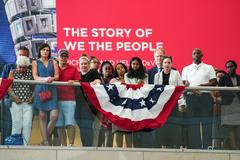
[67,93]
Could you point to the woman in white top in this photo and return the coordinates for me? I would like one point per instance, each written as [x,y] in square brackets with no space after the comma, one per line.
[137,74]
[171,133]
[168,76]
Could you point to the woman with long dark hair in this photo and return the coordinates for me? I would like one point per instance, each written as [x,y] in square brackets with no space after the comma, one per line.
[137,73]
[45,69]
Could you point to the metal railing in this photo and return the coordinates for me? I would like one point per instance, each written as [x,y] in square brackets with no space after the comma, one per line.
[61,83]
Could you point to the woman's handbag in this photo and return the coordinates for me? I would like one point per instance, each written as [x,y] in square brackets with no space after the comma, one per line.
[15,139]
[45,95]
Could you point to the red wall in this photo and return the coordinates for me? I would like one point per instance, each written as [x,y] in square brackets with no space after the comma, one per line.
[182,25]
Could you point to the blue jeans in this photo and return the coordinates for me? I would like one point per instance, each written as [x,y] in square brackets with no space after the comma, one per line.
[7,118]
[66,113]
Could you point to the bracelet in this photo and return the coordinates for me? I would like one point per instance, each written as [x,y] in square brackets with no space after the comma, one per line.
[11,94]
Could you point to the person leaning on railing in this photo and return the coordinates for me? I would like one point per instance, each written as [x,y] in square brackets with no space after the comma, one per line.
[218,131]
[200,103]
[230,109]
[105,134]
[84,114]
[7,119]
[45,69]
[22,97]
[171,133]
[66,99]
[122,137]
[137,74]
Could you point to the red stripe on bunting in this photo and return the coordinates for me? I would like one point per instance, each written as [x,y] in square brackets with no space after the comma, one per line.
[128,124]
[167,109]
[133,86]
[5,83]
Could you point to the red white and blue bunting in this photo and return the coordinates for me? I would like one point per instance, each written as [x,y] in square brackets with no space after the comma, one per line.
[134,107]
[4,84]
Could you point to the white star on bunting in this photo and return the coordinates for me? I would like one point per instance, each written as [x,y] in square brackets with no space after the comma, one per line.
[142,103]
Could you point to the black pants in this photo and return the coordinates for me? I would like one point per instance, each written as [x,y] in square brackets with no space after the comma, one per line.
[144,139]
[199,115]
[84,118]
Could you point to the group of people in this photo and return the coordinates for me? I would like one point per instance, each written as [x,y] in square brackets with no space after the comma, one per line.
[195,123]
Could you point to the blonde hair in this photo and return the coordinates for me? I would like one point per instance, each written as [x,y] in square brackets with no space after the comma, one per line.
[23,61]
[160,50]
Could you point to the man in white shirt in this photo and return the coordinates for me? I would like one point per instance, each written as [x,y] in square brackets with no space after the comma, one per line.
[199,102]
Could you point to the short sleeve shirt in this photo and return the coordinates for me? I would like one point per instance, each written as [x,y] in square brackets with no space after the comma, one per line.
[198,74]
[90,76]
[67,93]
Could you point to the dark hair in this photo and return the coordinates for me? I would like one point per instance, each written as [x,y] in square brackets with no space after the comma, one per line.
[84,55]
[93,57]
[24,49]
[165,57]
[221,71]
[101,69]
[231,61]
[43,46]
[115,69]
[140,73]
